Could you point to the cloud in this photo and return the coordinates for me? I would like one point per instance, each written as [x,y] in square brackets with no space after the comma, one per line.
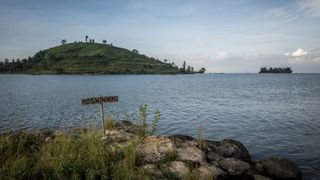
[299,52]
[297,9]
[222,55]
[310,8]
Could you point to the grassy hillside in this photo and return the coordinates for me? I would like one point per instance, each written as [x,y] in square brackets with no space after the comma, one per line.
[93,58]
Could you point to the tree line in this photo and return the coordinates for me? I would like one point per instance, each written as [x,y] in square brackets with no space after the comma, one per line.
[16,65]
[275,70]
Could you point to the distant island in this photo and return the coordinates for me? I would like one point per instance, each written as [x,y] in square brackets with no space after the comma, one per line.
[92,58]
[286,70]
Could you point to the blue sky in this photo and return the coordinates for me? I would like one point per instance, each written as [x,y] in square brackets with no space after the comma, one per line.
[223,36]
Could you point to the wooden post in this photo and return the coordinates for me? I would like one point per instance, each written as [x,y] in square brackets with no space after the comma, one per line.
[100,100]
[102,117]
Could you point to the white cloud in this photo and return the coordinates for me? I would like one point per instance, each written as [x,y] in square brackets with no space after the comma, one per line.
[299,52]
[222,55]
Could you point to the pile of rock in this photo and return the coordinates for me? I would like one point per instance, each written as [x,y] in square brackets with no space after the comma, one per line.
[179,156]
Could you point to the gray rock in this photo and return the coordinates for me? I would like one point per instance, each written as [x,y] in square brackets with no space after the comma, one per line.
[117,135]
[209,172]
[260,177]
[213,157]
[181,138]
[149,168]
[191,154]
[229,150]
[126,126]
[178,168]
[155,149]
[244,153]
[278,168]
[152,171]
[212,145]
[234,166]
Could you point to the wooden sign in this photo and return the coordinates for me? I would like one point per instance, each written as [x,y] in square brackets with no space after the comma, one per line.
[99,100]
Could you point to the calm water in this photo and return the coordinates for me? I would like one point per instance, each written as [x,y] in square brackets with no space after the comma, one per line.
[273,115]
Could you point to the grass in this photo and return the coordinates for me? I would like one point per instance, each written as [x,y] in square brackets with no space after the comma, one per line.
[77,154]
[66,156]
[95,58]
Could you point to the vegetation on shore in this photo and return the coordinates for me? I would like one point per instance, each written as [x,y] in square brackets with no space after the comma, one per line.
[92,58]
[128,151]
[79,154]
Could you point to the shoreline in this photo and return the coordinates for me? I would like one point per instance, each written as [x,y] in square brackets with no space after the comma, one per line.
[175,156]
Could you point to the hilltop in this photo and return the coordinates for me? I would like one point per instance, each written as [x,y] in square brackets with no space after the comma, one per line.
[91,58]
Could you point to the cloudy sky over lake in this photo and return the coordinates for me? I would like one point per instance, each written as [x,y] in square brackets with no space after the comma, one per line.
[223,36]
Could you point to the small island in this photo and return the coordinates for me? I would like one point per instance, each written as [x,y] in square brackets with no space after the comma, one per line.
[89,57]
[286,70]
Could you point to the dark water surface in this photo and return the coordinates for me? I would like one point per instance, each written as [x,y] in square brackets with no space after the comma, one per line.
[272,114]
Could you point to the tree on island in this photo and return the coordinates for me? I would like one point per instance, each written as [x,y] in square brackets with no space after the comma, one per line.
[184,66]
[275,70]
[104,41]
[63,41]
[202,70]
[165,60]
[135,51]
[87,38]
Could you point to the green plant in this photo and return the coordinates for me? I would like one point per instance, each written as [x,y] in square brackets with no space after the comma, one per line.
[108,123]
[127,116]
[143,125]
[155,122]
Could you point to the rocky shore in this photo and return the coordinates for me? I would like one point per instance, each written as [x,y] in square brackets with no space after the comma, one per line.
[183,157]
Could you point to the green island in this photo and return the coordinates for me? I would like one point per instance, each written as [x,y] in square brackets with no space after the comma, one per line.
[128,150]
[92,58]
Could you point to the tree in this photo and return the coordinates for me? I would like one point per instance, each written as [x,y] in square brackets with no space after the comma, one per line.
[87,38]
[189,68]
[63,41]
[104,41]
[135,51]
[165,60]
[202,70]
[184,66]
[6,61]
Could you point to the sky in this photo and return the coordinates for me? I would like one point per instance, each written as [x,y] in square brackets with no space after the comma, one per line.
[231,36]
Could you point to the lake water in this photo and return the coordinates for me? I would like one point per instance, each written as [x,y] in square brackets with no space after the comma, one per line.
[272,114]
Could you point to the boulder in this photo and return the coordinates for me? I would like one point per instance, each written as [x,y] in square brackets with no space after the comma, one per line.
[155,149]
[209,172]
[183,140]
[278,168]
[179,168]
[149,168]
[234,166]
[260,177]
[191,154]
[212,145]
[126,126]
[233,148]
[117,135]
[153,172]
[213,157]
